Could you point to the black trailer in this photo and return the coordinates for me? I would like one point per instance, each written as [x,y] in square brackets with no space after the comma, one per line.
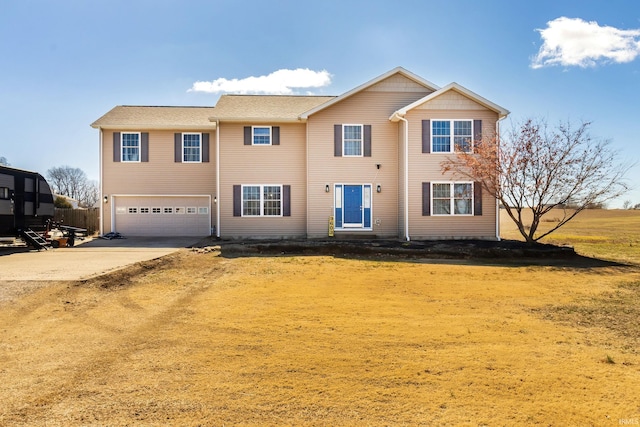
[26,202]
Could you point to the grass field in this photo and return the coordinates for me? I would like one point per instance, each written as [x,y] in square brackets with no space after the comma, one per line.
[605,234]
[208,339]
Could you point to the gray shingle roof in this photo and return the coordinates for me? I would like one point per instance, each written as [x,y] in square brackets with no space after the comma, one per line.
[265,107]
[229,108]
[124,116]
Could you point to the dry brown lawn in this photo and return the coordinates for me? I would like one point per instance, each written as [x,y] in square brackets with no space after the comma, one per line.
[207,339]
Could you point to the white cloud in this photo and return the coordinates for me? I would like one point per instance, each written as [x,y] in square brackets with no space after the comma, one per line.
[575,42]
[281,82]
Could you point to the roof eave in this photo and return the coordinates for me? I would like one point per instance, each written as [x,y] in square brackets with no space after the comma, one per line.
[153,127]
[260,120]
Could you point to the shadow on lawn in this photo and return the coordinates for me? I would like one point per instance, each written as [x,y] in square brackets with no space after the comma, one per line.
[506,252]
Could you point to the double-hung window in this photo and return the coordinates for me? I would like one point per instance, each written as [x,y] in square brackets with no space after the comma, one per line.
[352,140]
[4,193]
[130,145]
[191,148]
[452,198]
[449,136]
[261,135]
[261,200]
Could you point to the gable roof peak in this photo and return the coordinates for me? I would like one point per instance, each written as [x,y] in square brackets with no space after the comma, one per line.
[397,70]
[502,112]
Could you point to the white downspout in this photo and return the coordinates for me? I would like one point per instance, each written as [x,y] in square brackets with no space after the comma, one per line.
[218,178]
[306,148]
[406,177]
[497,201]
[102,204]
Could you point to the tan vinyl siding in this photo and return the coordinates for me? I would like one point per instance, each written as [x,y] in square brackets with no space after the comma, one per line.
[304,160]
[371,107]
[282,164]
[451,100]
[399,83]
[161,175]
[427,168]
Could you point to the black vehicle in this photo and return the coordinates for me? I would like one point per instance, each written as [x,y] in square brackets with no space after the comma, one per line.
[26,202]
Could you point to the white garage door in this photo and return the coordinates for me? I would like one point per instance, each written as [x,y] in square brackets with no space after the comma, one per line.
[162,215]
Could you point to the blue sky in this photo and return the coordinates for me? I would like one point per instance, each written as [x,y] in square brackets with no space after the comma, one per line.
[65,63]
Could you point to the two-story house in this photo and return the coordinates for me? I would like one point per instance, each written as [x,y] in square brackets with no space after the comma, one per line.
[366,162]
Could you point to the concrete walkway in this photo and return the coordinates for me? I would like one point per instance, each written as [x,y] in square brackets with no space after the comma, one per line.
[86,259]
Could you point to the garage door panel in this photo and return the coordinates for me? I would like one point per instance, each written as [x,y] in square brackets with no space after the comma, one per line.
[162,216]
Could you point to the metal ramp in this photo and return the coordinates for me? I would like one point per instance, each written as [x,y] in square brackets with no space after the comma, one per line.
[34,239]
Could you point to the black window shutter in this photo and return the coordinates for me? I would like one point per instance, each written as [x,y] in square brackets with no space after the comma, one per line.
[275,135]
[177,147]
[237,200]
[426,199]
[286,200]
[367,140]
[144,147]
[426,136]
[477,198]
[247,135]
[116,146]
[205,147]
[337,140]
[477,132]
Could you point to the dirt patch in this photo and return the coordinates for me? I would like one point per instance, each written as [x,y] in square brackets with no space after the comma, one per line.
[456,249]
[202,339]
[504,251]
[129,275]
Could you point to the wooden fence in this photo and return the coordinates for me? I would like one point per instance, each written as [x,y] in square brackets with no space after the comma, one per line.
[83,218]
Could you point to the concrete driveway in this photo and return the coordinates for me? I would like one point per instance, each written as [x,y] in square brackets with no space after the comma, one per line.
[87,259]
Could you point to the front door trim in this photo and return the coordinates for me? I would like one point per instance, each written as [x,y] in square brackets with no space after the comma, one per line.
[352,206]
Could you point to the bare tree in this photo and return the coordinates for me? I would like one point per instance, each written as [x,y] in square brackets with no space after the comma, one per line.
[90,194]
[532,167]
[73,183]
[4,161]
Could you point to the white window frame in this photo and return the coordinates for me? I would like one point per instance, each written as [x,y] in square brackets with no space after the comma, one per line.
[145,210]
[156,210]
[132,210]
[139,147]
[203,210]
[192,210]
[452,198]
[452,136]
[344,151]
[167,210]
[262,200]
[180,210]
[121,210]
[253,135]
[184,159]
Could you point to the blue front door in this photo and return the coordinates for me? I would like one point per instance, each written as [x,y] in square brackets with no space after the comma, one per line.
[352,205]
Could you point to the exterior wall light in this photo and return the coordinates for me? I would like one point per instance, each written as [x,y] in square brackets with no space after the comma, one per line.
[379,188]
[326,188]
[105,199]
